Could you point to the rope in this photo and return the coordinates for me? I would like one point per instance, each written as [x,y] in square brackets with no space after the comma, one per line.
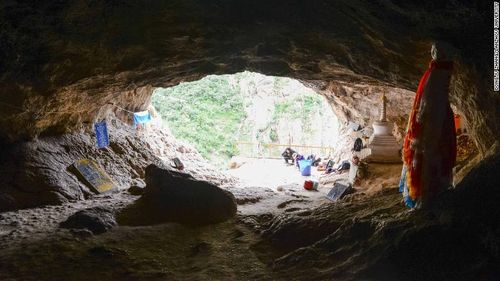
[121,108]
[37,115]
[66,111]
[60,112]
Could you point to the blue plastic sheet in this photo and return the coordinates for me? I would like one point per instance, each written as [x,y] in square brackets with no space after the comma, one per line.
[142,117]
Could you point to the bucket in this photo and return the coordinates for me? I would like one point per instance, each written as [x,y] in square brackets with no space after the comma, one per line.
[309,185]
[315,185]
[305,167]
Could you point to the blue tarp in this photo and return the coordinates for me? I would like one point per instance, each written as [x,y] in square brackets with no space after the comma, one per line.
[142,117]
[101,134]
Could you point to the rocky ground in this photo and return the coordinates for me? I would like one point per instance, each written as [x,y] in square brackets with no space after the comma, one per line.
[253,198]
[234,250]
[221,251]
[280,232]
[363,237]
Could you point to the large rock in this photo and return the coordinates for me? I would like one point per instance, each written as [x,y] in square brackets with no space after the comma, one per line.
[97,220]
[136,187]
[174,196]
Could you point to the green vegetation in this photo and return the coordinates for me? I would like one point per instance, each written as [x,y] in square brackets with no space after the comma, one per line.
[215,112]
[300,107]
[205,113]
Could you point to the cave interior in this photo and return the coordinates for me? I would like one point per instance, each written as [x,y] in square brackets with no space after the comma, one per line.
[65,66]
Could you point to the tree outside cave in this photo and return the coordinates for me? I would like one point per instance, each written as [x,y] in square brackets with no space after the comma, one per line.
[237,115]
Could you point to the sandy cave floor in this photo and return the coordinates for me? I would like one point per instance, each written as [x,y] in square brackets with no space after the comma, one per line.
[35,248]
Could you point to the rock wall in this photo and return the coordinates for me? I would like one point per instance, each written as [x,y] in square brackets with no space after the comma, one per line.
[37,172]
[361,103]
[62,62]
[473,96]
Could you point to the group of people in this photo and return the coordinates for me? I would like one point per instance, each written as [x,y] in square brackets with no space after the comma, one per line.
[291,157]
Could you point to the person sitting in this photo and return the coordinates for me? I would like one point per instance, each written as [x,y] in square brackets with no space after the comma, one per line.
[314,161]
[297,158]
[330,164]
[288,155]
[344,166]
[329,167]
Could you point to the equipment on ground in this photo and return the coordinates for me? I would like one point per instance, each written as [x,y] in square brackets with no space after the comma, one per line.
[339,190]
[305,167]
[93,175]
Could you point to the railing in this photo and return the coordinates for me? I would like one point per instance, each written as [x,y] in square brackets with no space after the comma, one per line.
[274,150]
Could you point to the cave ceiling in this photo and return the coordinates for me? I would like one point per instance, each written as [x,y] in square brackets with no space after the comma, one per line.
[62,62]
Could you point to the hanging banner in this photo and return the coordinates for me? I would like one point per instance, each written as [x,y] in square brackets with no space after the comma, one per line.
[142,117]
[101,134]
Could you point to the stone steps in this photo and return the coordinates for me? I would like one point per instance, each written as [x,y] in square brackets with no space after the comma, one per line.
[384,148]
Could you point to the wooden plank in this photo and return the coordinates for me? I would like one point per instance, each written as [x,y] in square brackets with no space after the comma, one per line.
[268,148]
[286,145]
[94,176]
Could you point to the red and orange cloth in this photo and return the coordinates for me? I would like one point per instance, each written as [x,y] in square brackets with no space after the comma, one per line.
[412,184]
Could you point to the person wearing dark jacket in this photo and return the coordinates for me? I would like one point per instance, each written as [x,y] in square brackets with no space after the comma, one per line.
[288,155]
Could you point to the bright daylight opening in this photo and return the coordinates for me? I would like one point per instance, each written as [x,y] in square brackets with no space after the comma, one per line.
[244,122]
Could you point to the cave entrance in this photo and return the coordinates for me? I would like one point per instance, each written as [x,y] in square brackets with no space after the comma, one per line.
[243,122]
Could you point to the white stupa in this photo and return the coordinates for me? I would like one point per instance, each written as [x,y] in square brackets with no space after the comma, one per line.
[383,145]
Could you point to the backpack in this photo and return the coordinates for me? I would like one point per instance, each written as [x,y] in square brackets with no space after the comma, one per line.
[358,144]
[329,165]
[345,165]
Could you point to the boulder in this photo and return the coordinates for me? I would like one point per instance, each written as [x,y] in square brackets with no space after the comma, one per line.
[97,220]
[136,187]
[175,196]
[136,190]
